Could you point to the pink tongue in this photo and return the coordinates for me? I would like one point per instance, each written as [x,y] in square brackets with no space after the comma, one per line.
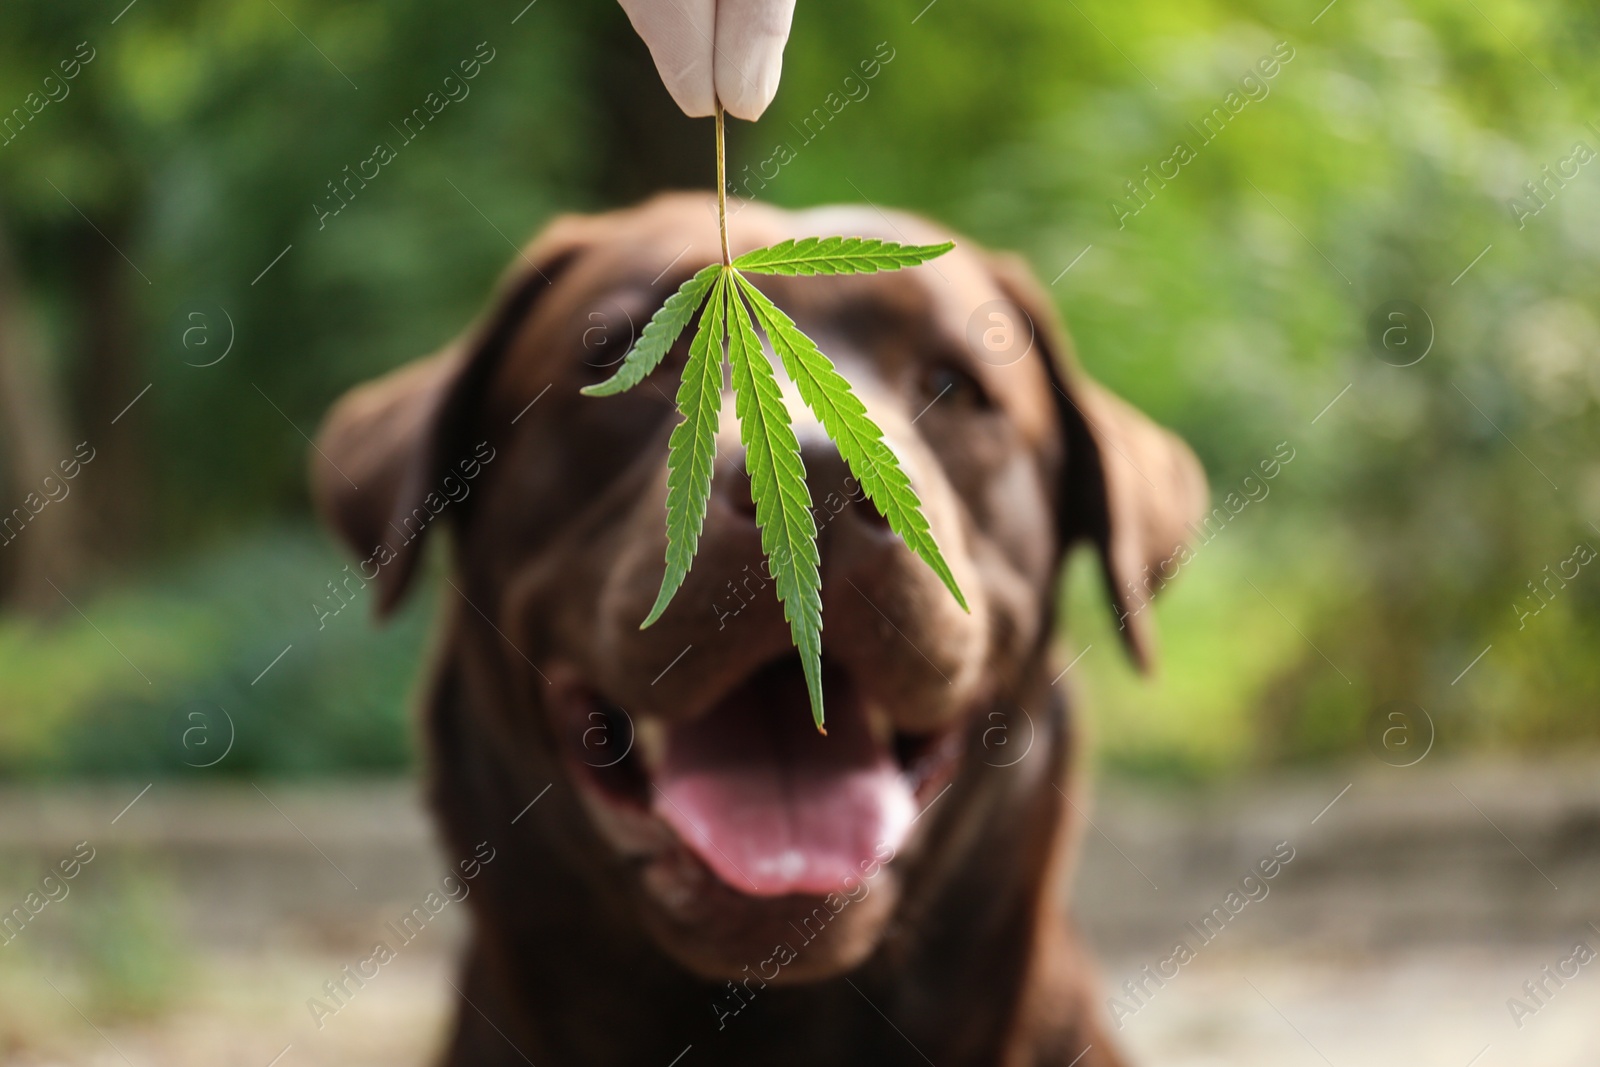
[773,807]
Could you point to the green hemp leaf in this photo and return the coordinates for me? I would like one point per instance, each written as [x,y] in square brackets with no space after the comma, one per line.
[730,310]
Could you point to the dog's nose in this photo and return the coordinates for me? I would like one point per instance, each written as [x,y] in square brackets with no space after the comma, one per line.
[737,488]
[834,489]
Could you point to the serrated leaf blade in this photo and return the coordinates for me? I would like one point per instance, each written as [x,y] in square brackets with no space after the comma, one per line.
[778,486]
[658,335]
[837,255]
[859,440]
[691,450]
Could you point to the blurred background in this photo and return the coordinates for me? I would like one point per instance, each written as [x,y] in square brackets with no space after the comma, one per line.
[1364,236]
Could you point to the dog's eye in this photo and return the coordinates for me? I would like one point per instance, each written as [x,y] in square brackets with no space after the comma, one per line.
[945,383]
[607,330]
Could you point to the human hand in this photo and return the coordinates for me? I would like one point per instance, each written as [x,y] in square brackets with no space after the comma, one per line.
[710,51]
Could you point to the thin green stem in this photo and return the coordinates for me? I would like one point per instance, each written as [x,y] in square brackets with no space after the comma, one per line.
[722,189]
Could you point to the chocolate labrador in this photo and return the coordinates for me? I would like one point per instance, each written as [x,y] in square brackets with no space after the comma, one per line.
[684,870]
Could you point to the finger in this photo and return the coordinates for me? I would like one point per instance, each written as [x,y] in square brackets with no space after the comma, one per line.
[749,54]
[680,35]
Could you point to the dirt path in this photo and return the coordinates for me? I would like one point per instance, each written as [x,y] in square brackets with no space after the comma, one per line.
[1401,916]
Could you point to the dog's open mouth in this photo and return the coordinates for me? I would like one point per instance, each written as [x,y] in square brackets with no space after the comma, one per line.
[762,799]
[771,805]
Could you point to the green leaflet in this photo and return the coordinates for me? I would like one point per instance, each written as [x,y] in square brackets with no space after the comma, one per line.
[692,448]
[857,437]
[658,334]
[837,255]
[778,486]
[772,453]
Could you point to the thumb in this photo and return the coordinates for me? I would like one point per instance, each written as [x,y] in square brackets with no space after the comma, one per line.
[748,58]
[680,35]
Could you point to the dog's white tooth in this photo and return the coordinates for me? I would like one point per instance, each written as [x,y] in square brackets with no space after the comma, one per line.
[791,864]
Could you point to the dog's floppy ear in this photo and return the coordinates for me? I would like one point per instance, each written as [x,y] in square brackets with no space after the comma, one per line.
[385,447]
[1132,488]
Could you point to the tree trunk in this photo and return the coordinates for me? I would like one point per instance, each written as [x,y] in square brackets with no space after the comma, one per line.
[113,409]
[35,549]
[646,143]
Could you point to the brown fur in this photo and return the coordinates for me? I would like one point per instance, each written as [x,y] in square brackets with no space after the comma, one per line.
[597,938]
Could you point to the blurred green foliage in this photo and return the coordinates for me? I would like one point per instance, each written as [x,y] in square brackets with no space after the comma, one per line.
[1374,165]
[128,944]
[202,689]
